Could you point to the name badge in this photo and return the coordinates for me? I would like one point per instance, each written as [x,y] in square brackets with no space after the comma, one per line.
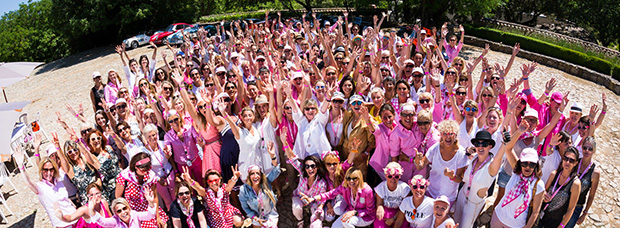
[362,200]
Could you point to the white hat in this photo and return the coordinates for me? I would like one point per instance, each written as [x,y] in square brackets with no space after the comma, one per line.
[409,61]
[223,94]
[288,47]
[419,70]
[220,69]
[576,107]
[148,110]
[423,31]
[234,55]
[530,112]
[260,57]
[120,100]
[355,98]
[50,149]
[297,75]
[529,155]
[96,74]
[111,70]
[261,99]
[443,198]
[338,95]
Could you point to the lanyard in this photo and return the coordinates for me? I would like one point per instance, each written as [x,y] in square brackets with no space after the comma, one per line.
[584,171]
[556,190]
[332,124]
[474,171]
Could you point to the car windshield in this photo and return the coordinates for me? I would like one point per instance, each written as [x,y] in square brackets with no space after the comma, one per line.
[169,28]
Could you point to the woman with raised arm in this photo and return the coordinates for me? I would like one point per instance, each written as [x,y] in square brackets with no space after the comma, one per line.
[134,184]
[478,177]
[50,189]
[382,133]
[112,87]
[219,212]
[447,160]
[108,161]
[336,112]
[248,138]
[417,210]
[102,208]
[124,215]
[186,210]
[563,190]
[183,141]
[160,164]
[402,96]
[557,147]
[521,206]
[132,72]
[589,176]
[356,127]
[256,195]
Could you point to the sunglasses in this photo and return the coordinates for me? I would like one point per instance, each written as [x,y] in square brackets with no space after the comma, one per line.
[352,178]
[173,120]
[393,176]
[418,75]
[121,128]
[531,165]
[122,92]
[113,109]
[385,70]
[260,60]
[385,57]
[406,115]
[452,40]
[214,181]
[98,138]
[331,164]
[425,101]
[356,103]
[423,123]
[583,127]
[195,74]
[220,73]
[310,166]
[339,59]
[209,85]
[461,93]
[331,73]
[338,101]
[86,131]
[481,143]
[486,95]
[587,148]
[495,78]
[230,87]
[414,187]
[121,210]
[47,170]
[201,106]
[144,84]
[123,106]
[309,108]
[144,167]
[185,193]
[168,88]
[287,108]
[569,160]
[470,109]
[458,64]
[227,99]
[320,87]
[451,72]
[72,151]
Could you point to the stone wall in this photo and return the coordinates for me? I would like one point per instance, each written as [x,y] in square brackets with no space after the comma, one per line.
[579,71]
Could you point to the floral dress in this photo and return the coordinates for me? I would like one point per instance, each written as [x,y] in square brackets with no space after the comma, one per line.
[109,170]
[81,179]
[219,211]
[134,194]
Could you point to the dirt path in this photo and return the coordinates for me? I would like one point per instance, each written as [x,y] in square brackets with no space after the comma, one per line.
[69,80]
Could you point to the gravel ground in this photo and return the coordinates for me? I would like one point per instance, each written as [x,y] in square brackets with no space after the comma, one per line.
[67,81]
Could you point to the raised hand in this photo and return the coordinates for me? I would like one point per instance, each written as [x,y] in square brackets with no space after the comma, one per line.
[593,110]
[565,101]
[486,49]
[524,126]
[550,85]
[283,134]
[449,173]
[516,49]
[271,149]
[555,139]
[354,144]
[148,194]
[235,170]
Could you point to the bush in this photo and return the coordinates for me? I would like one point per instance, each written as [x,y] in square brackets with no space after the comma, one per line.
[548,49]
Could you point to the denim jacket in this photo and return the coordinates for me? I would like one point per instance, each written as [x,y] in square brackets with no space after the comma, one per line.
[248,198]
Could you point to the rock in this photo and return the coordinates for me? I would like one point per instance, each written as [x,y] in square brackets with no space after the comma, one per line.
[608,208]
[599,224]
[594,217]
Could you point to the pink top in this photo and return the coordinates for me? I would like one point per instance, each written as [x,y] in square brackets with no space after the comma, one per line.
[544,117]
[382,151]
[452,52]
[134,220]
[364,203]
[186,150]
[405,141]
[111,91]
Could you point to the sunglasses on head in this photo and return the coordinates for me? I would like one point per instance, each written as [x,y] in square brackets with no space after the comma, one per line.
[470,109]
[481,143]
[569,160]
[531,165]
[310,166]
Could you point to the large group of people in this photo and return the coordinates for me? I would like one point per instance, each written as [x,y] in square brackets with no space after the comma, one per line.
[365,127]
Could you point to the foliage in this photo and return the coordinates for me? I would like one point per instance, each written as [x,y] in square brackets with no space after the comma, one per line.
[26,36]
[546,48]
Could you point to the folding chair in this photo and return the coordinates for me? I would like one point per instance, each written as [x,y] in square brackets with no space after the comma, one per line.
[4,177]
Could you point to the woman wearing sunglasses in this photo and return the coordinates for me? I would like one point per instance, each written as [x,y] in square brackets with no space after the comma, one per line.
[134,184]
[416,209]
[521,205]
[160,164]
[79,165]
[356,127]
[50,189]
[256,195]
[382,133]
[124,214]
[403,142]
[467,120]
[563,191]
[186,210]
[557,147]
[589,176]
[183,139]
[477,179]
[336,112]
[109,163]
[219,212]
[359,198]
[390,194]
[311,138]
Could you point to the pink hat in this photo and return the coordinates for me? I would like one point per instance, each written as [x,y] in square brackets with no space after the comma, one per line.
[530,112]
[557,97]
[529,155]
[442,198]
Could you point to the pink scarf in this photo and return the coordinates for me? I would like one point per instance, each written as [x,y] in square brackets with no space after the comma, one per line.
[521,188]
[188,212]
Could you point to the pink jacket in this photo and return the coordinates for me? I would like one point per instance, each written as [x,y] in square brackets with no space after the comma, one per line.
[134,221]
[364,204]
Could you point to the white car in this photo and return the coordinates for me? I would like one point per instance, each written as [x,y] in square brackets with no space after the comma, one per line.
[136,41]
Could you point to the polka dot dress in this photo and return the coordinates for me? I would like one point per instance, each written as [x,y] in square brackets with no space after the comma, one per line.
[219,211]
[134,194]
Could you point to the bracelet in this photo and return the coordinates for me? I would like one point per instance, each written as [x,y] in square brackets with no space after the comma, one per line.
[426,73]
[354,151]
[525,79]
[411,160]
[360,93]
[484,71]
[361,71]
[226,116]
[481,55]
[207,106]
[193,182]
[77,115]
[546,93]
[306,86]
[603,112]
[285,147]
[562,225]
[274,158]
[405,45]
[36,155]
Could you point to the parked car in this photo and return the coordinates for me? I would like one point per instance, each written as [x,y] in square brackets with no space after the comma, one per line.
[136,41]
[159,38]
[177,37]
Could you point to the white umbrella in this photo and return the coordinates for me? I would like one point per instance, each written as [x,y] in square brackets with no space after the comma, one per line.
[15,71]
[10,112]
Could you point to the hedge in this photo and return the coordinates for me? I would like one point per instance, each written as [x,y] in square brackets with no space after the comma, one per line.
[548,49]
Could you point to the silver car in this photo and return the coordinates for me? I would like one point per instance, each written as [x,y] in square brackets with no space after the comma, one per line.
[136,41]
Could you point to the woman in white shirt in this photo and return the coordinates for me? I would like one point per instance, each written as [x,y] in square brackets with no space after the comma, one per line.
[248,138]
[418,208]
[389,195]
[160,164]
[311,138]
[441,218]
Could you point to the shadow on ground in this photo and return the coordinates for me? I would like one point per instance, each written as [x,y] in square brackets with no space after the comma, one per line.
[27,221]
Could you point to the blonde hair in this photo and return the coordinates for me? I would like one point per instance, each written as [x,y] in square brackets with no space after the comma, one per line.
[393,168]
[264,185]
[118,201]
[45,161]
[338,174]
[355,173]
[449,126]
[427,95]
[470,103]
[425,115]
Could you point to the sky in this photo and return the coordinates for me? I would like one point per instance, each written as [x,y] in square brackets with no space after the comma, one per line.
[10,5]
